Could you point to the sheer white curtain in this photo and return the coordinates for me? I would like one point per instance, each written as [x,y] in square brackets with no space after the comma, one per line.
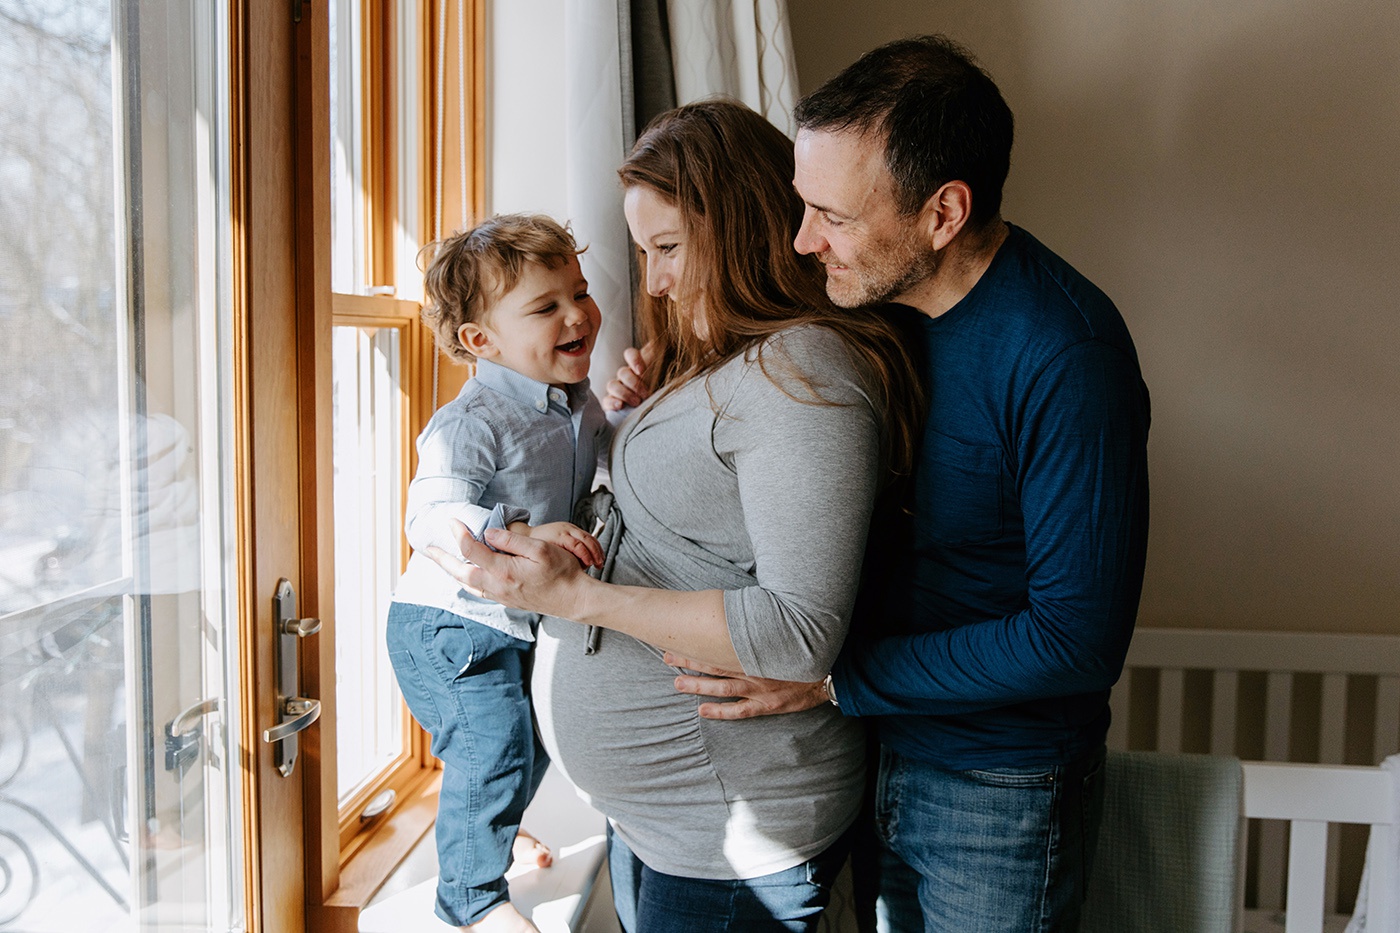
[598,132]
[741,48]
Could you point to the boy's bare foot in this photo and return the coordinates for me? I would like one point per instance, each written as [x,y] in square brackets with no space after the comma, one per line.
[504,919]
[528,850]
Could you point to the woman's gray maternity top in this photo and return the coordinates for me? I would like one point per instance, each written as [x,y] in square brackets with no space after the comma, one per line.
[728,483]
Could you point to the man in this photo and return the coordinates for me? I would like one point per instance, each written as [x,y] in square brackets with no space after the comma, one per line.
[1001,597]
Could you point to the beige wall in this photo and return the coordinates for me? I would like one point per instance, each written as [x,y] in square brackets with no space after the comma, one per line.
[1230,175]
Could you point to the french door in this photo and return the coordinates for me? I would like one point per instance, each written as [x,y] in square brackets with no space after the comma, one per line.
[162,432]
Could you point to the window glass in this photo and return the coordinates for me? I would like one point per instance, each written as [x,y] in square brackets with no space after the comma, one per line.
[118,729]
[368,488]
[348,246]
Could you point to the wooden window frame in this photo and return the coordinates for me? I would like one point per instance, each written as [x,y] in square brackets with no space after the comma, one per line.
[407,771]
[366,852]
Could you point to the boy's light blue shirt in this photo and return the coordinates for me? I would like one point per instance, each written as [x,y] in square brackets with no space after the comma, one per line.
[506,449]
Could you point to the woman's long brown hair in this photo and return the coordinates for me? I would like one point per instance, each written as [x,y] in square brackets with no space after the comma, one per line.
[729,173]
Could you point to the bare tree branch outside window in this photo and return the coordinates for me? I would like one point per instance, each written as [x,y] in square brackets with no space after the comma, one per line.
[57,262]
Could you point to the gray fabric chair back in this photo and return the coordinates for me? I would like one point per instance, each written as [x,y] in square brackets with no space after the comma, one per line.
[1169,847]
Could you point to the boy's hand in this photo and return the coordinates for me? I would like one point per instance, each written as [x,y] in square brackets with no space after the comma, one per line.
[566,535]
[629,389]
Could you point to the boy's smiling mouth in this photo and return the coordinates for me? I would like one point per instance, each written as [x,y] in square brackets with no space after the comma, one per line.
[572,347]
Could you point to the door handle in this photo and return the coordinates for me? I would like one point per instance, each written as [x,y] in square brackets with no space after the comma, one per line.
[190,716]
[304,711]
[294,711]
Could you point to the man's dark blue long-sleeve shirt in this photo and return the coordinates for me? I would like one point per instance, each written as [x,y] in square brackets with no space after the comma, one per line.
[1002,588]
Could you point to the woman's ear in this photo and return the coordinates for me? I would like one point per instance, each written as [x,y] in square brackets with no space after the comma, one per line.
[477,340]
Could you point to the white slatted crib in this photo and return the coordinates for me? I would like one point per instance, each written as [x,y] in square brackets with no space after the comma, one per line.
[1305,704]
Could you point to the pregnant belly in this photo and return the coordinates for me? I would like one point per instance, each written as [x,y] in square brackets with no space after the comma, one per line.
[614,723]
[748,798]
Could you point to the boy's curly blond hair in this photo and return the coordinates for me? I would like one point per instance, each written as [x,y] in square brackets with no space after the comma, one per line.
[465,273]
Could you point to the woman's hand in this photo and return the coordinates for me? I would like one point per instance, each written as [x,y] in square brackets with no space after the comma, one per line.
[629,389]
[526,573]
[568,536]
[757,696]
[523,573]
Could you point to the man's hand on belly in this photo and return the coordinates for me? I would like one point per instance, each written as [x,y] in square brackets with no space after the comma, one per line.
[755,696]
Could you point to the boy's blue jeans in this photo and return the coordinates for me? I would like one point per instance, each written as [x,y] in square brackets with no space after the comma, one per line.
[1000,850]
[789,901]
[467,684]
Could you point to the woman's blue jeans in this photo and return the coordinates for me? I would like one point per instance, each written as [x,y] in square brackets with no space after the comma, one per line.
[999,850]
[466,683]
[649,901]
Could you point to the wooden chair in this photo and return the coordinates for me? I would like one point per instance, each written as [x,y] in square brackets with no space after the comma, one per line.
[1286,698]
[1313,799]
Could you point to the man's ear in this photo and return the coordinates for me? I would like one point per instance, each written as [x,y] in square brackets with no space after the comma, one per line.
[946,212]
[477,341]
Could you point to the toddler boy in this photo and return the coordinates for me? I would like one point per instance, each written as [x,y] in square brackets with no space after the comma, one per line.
[515,449]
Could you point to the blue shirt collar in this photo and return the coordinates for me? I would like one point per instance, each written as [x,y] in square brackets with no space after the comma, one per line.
[523,389]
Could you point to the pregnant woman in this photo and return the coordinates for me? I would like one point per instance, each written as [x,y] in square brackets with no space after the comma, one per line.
[745,484]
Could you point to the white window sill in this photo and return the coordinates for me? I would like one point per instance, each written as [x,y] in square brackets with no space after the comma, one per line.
[555,898]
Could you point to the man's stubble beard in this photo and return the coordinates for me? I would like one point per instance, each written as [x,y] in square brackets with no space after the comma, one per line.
[885,276]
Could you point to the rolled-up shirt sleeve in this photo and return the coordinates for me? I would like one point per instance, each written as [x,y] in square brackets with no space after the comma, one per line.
[807,474]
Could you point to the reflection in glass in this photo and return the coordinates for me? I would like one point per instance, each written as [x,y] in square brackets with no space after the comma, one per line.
[115,732]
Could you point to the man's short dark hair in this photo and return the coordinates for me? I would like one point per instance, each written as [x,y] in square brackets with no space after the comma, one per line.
[940,113]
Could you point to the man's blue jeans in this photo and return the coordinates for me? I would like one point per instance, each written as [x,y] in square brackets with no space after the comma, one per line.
[1000,850]
[466,683]
[649,901]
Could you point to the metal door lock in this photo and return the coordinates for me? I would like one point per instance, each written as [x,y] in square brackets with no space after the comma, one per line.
[184,735]
[182,748]
[295,712]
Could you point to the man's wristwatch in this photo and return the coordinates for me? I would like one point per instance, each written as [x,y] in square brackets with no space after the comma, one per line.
[830,691]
